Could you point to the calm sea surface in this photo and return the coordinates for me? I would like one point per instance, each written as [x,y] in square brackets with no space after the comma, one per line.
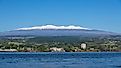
[60,60]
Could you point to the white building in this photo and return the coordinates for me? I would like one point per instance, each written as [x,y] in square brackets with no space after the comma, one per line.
[83,46]
[55,49]
[8,50]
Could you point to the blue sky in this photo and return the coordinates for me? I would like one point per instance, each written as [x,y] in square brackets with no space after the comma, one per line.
[96,14]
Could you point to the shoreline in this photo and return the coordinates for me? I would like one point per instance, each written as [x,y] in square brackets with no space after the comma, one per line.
[62,52]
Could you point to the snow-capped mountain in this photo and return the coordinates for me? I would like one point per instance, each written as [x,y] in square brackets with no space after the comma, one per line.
[52,30]
[52,27]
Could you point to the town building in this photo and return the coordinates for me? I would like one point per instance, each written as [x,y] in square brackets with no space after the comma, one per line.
[83,46]
[55,49]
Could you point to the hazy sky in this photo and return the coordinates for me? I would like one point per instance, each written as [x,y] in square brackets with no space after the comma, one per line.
[96,14]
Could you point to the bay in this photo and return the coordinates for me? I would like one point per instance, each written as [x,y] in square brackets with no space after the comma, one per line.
[60,60]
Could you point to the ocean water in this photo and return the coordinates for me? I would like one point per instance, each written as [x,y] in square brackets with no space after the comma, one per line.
[60,60]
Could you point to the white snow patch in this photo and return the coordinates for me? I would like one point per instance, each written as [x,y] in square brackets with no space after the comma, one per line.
[53,27]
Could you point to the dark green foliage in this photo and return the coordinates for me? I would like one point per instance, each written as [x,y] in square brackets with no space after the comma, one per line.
[69,43]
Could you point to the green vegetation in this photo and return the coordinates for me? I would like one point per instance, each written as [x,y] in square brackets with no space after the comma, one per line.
[68,43]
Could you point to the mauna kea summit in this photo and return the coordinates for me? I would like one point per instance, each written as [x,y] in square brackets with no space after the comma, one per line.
[52,30]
